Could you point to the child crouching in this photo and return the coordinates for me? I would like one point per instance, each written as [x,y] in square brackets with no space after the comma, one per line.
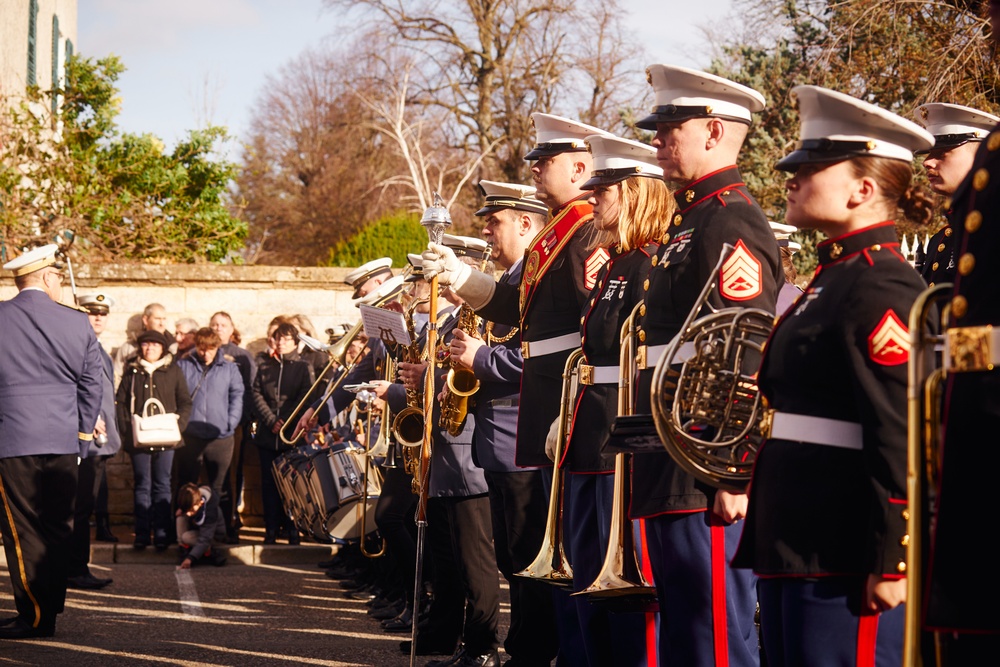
[197,517]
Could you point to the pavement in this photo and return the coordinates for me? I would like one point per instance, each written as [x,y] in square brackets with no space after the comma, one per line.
[273,608]
[250,551]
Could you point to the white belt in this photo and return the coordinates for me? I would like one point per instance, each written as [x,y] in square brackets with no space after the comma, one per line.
[814,430]
[591,375]
[654,352]
[972,349]
[539,348]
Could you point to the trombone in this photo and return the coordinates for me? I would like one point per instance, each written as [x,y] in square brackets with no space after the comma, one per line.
[924,390]
[550,565]
[338,355]
[620,575]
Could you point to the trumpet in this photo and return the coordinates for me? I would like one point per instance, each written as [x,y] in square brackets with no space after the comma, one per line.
[338,357]
[620,575]
[550,565]
[925,386]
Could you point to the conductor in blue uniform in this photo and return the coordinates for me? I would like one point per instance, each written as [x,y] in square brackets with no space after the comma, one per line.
[50,383]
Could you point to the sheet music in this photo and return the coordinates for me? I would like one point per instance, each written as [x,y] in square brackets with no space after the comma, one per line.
[385,324]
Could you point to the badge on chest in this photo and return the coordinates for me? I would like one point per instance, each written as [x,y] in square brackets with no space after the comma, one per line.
[676,249]
[615,289]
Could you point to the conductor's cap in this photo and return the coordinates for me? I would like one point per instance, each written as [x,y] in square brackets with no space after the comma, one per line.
[682,94]
[953,125]
[33,260]
[836,127]
[515,196]
[555,135]
[616,159]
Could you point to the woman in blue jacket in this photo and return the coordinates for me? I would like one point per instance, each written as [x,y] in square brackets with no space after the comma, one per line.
[217,405]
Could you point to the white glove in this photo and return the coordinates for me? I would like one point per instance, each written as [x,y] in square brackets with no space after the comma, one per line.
[551,440]
[475,287]
[441,261]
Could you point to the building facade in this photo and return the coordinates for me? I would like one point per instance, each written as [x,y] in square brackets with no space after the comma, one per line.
[36,39]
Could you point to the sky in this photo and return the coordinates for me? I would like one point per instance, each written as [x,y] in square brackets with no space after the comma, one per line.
[193,62]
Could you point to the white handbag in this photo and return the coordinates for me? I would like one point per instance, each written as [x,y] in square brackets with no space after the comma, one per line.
[160,430]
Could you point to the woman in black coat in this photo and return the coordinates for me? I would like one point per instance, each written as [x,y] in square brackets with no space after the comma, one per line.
[282,381]
[151,374]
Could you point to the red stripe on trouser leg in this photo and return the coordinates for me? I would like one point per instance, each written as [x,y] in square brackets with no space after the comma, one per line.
[719,569]
[867,638]
[647,573]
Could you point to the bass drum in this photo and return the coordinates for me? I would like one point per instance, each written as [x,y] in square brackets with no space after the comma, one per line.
[345,466]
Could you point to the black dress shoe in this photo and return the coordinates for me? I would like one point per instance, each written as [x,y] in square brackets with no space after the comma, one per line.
[388,612]
[87,582]
[8,621]
[403,622]
[447,662]
[488,659]
[103,530]
[429,646]
[21,630]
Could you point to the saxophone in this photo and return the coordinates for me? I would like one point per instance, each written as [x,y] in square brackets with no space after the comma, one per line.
[462,382]
[408,424]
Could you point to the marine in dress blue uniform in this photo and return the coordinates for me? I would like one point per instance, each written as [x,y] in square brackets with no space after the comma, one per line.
[826,520]
[92,468]
[960,603]
[50,383]
[609,638]
[957,131]
[706,609]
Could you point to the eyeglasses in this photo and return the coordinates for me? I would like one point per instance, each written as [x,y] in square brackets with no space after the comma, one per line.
[59,275]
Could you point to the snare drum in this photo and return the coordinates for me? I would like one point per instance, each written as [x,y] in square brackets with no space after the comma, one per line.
[346,465]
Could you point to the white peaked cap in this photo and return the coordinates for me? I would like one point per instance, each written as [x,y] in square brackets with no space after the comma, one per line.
[835,127]
[361,274]
[682,93]
[33,260]
[555,134]
[616,159]
[953,125]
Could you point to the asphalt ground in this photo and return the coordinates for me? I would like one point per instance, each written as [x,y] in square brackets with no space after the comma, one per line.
[280,609]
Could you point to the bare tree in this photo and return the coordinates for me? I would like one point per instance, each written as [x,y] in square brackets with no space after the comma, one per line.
[490,63]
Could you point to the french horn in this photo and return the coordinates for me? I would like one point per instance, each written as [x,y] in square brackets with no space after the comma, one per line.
[706,405]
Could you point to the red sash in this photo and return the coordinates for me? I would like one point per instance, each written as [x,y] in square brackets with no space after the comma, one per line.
[548,244]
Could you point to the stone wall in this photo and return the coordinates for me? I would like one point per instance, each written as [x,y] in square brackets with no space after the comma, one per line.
[252,295]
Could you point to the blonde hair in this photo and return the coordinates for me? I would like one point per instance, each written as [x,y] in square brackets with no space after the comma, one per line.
[645,207]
